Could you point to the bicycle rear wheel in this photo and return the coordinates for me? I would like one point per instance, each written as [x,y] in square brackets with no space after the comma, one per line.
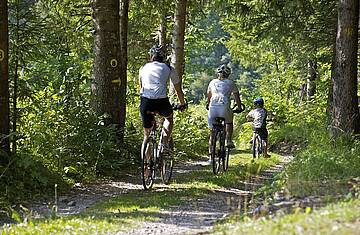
[226,159]
[216,150]
[257,147]
[148,163]
[167,163]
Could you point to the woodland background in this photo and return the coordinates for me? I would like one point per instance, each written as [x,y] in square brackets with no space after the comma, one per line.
[69,88]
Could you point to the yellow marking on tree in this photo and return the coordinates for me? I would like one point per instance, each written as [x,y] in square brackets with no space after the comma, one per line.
[116,81]
[349,31]
[2,55]
[113,63]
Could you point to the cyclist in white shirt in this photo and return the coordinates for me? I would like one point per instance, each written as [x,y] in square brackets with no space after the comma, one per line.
[154,77]
[218,101]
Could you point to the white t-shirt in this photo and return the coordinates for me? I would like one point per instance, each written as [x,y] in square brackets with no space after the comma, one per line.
[221,90]
[259,117]
[154,77]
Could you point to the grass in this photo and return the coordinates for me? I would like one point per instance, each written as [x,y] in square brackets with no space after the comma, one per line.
[125,211]
[325,166]
[338,218]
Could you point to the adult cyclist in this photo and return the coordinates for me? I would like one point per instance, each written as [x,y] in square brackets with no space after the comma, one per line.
[219,94]
[154,77]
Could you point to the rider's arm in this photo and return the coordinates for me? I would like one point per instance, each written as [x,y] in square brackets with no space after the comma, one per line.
[209,96]
[140,82]
[237,99]
[249,116]
[179,93]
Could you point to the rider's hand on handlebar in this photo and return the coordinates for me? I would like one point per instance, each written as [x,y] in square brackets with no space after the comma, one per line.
[237,110]
[182,107]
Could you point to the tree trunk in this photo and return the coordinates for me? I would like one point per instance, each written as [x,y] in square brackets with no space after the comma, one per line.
[121,95]
[4,81]
[311,79]
[345,113]
[177,58]
[162,27]
[107,62]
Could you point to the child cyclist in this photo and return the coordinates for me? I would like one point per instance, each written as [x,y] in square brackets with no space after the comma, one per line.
[219,92]
[258,116]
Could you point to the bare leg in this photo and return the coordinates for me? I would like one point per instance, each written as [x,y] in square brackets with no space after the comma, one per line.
[146,136]
[167,130]
[266,148]
[229,130]
[210,140]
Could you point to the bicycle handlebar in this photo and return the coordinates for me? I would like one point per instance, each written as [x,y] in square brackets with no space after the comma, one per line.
[240,109]
[179,106]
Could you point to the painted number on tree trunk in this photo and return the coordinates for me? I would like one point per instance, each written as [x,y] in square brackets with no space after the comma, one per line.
[113,63]
[2,55]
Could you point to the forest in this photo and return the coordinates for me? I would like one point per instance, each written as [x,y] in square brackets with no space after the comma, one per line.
[69,111]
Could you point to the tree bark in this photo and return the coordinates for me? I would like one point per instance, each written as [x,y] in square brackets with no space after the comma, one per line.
[107,61]
[4,81]
[178,39]
[311,79]
[162,27]
[121,95]
[345,112]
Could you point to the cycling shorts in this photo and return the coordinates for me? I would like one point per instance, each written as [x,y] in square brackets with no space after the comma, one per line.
[219,111]
[161,106]
[263,133]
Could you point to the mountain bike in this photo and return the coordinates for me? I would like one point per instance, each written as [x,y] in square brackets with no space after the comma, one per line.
[219,152]
[257,146]
[154,157]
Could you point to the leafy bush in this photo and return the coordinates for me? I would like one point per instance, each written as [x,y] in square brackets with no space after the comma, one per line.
[191,131]
[325,165]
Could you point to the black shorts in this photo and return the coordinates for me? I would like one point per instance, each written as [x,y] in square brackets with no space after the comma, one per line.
[161,106]
[263,132]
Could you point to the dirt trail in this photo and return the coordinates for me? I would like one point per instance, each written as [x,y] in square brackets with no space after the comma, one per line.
[196,216]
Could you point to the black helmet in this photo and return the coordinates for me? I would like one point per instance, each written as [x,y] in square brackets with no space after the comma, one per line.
[224,69]
[259,101]
[157,51]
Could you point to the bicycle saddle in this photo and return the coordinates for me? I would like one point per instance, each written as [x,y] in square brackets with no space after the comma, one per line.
[219,119]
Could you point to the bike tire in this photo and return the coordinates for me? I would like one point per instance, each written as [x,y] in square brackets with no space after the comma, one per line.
[226,159]
[254,147]
[167,164]
[148,163]
[215,151]
[257,147]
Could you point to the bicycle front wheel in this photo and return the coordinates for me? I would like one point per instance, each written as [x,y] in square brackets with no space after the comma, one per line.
[148,163]
[167,163]
[216,150]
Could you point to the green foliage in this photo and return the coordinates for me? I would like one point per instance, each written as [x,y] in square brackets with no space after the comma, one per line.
[337,218]
[325,165]
[27,178]
[191,132]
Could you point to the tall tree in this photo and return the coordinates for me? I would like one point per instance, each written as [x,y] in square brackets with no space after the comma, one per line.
[106,76]
[162,26]
[345,109]
[121,95]
[178,38]
[4,79]
[311,78]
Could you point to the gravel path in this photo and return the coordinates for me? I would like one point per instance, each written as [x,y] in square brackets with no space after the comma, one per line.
[197,216]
